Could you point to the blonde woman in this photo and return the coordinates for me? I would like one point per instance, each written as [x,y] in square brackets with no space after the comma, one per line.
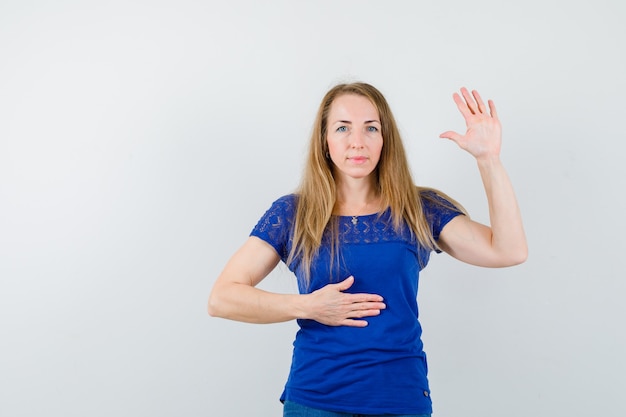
[356,234]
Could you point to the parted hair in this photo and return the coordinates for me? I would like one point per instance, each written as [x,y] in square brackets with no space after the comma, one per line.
[317,193]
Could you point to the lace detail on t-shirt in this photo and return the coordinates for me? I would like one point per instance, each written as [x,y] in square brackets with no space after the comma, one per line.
[276,225]
[373,228]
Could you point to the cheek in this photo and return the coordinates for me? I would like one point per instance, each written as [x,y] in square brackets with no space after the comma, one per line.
[378,148]
[333,144]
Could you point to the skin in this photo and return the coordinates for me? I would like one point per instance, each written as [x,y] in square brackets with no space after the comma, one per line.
[355,143]
[503,242]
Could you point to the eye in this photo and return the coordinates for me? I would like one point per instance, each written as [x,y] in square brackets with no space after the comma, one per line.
[342,129]
[372,129]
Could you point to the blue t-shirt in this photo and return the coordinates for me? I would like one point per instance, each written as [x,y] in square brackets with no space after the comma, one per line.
[380,368]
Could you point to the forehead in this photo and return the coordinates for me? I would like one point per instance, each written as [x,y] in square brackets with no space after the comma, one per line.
[352,106]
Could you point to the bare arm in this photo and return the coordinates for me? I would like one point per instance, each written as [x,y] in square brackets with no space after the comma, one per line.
[235,296]
[503,242]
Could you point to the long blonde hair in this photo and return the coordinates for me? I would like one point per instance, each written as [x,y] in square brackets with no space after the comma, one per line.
[317,193]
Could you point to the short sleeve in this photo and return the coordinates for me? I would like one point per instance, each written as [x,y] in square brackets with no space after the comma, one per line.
[275,225]
[438,210]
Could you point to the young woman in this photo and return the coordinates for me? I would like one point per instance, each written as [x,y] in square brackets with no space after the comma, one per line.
[356,234]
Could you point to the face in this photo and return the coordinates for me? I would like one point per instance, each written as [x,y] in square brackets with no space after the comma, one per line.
[354,136]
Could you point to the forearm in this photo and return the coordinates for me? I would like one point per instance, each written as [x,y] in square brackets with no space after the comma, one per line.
[241,302]
[508,238]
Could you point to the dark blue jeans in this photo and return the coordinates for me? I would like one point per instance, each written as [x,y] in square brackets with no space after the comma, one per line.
[292,409]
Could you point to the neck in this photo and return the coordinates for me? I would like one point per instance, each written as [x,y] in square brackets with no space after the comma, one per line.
[357,199]
[357,192]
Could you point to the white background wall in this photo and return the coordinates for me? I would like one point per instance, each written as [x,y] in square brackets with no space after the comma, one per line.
[140,141]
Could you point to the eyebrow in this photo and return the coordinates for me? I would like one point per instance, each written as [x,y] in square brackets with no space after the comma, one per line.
[349,122]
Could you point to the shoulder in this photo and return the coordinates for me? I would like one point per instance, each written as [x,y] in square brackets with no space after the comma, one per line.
[439,209]
[287,199]
[275,225]
[286,203]
[281,211]
[433,200]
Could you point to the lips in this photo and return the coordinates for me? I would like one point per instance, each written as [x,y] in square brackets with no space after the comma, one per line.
[357,159]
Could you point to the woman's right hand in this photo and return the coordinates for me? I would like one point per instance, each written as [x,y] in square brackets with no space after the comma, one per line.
[235,296]
[332,306]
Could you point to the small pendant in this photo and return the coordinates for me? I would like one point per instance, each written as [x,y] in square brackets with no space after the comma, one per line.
[354,220]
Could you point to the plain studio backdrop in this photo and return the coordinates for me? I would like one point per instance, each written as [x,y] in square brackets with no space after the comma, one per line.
[140,141]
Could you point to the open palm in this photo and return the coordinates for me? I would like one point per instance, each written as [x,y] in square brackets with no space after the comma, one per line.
[484,132]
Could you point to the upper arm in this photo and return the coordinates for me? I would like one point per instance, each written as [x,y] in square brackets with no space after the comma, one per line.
[252,262]
[470,242]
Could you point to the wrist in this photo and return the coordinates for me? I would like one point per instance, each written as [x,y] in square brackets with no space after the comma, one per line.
[488,160]
[300,306]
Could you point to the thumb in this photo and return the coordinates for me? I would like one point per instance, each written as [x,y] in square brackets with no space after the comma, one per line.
[346,283]
[450,135]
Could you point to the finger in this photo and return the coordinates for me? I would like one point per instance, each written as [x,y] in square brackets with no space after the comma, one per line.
[345,284]
[360,307]
[354,323]
[353,318]
[364,298]
[462,105]
[492,109]
[481,105]
[372,311]
[469,100]
[451,135]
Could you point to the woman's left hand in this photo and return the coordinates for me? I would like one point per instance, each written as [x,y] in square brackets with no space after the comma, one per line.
[484,132]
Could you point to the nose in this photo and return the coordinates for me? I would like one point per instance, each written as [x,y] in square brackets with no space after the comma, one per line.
[356,139]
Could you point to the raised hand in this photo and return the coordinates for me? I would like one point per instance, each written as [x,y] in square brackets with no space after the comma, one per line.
[330,305]
[484,133]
